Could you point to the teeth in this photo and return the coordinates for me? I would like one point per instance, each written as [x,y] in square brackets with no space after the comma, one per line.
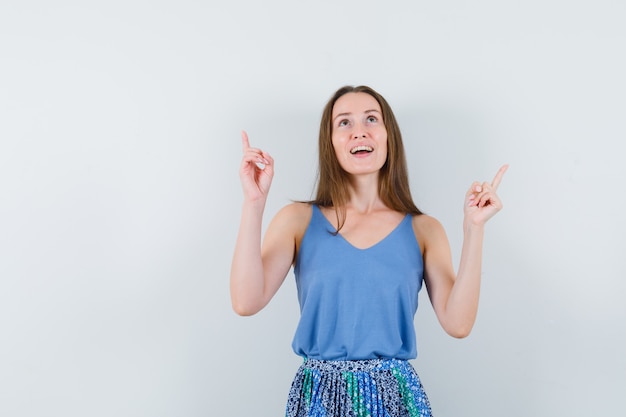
[361,148]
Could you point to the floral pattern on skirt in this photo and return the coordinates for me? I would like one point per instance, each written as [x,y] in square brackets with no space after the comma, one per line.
[363,388]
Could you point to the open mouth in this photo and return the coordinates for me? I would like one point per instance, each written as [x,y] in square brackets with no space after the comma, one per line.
[361,149]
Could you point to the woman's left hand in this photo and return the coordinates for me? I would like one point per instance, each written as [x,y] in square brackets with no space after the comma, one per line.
[481,200]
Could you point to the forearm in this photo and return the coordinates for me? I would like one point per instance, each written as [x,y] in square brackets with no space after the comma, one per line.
[455,296]
[246,275]
[462,305]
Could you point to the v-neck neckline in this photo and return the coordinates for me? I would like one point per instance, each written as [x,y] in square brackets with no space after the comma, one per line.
[379,242]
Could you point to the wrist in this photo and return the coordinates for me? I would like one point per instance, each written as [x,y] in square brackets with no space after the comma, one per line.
[470,227]
[254,204]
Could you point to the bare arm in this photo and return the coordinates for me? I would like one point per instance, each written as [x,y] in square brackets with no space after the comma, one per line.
[455,298]
[258,271]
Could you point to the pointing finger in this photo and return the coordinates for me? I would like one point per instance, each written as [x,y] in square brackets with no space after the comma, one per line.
[244,140]
[498,178]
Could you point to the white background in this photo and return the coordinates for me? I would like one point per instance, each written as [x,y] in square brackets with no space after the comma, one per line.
[119,194]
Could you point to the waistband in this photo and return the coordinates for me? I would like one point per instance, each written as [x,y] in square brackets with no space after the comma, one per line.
[363,365]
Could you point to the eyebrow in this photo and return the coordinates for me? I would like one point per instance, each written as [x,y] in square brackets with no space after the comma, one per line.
[348,114]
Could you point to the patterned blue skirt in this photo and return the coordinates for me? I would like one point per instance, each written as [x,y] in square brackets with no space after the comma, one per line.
[368,388]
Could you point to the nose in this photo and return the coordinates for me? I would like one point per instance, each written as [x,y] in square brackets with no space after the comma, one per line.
[358,132]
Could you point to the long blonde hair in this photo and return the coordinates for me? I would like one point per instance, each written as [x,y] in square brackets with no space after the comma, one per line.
[332,180]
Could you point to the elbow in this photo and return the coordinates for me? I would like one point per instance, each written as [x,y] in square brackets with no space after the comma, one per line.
[243,309]
[458,325]
[459,331]
[243,303]
[244,312]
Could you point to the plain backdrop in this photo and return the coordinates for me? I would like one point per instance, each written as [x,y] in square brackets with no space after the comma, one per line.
[120,199]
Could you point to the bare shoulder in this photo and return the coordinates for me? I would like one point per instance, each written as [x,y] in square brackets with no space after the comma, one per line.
[427,229]
[290,224]
[426,223]
[295,213]
[295,218]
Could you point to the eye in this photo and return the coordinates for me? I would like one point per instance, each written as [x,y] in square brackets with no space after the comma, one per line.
[343,123]
[372,119]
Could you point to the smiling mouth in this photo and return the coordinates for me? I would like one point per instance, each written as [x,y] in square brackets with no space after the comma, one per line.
[361,149]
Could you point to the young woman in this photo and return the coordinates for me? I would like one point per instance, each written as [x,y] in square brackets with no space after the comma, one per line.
[360,253]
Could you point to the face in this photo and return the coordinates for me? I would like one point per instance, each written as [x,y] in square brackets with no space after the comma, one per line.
[359,135]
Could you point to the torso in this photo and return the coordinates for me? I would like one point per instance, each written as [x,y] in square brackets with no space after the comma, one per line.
[358,302]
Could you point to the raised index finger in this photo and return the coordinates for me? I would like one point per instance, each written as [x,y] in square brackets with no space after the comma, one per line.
[244,140]
[498,178]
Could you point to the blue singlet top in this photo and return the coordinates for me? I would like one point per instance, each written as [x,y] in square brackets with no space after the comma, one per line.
[357,303]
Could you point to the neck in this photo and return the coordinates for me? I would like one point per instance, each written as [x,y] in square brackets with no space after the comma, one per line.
[364,196]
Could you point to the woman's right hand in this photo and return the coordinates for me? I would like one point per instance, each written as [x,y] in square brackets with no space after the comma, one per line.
[256,172]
